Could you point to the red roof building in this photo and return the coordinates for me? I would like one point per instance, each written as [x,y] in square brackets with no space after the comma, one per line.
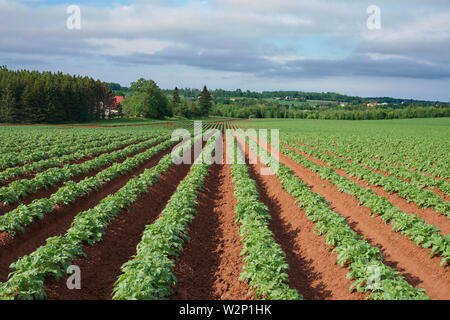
[116,101]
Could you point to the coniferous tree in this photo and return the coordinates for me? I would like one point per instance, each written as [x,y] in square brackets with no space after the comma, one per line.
[27,104]
[7,105]
[31,96]
[176,97]
[205,102]
[177,106]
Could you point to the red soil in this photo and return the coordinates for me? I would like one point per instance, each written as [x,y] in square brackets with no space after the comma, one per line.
[214,237]
[429,215]
[443,195]
[164,124]
[210,264]
[57,222]
[391,163]
[435,190]
[31,175]
[75,125]
[56,125]
[409,259]
[83,126]
[313,271]
[45,193]
[101,267]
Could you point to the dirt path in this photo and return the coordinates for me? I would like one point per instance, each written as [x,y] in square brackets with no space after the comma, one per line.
[57,222]
[210,265]
[412,261]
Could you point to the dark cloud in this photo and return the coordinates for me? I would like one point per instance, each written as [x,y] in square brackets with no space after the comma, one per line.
[221,60]
[263,40]
[356,65]
[361,65]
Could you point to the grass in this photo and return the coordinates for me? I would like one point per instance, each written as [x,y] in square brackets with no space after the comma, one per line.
[413,127]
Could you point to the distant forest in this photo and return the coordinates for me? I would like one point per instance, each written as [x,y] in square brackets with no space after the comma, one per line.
[332,106]
[45,97]
[338,113]
[220,94]
[300,95]
[35,97]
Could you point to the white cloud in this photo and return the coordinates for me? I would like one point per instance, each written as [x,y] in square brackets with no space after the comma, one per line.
[119,46]
[256,38]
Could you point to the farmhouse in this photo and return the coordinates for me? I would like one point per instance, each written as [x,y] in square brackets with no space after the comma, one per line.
[113,108]
[115,103]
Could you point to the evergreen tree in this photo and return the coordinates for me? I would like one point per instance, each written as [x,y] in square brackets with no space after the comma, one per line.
[7,105]
[177,106]
[176,97]
[205,102]
[47,97]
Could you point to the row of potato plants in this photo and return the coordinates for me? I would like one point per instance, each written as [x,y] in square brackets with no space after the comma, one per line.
[24,215]
[65,146]
[149,274]
[409,225]
[365,261]
[19,189]
[414,177]
[421,154]
[21,140]
[412,193]
[27,281]
[265,268]
[86,149]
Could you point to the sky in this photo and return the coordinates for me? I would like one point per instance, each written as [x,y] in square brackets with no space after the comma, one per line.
[258,45]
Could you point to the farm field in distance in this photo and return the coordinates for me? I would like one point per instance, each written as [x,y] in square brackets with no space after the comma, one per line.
[351,210]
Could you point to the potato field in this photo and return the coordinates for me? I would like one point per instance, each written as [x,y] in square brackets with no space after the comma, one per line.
[320,210]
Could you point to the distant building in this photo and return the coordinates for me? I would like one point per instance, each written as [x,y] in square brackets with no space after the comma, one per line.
[113,108]
[115,103]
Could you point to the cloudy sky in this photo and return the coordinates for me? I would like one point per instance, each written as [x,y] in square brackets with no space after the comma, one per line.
[320,45]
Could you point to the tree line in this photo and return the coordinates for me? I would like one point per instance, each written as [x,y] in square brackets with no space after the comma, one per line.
[149,101]
[300,95]
[272,111]
[35,97]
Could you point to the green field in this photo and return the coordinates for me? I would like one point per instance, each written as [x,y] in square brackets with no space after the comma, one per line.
[415,142]
[347,203]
